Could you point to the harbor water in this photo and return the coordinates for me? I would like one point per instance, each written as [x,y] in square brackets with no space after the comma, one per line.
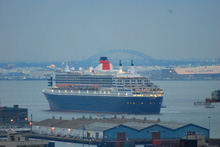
[179,98]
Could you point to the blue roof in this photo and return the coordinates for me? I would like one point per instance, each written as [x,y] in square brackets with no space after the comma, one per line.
[138,126]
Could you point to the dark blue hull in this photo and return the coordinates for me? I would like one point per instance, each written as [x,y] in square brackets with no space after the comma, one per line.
[105,104]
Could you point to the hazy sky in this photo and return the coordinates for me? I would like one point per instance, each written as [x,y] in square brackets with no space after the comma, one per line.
[51,30]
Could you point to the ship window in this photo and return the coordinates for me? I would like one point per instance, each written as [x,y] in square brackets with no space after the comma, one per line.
[127,82]
[133,102]
[142,103]
[139,82]
[127,102]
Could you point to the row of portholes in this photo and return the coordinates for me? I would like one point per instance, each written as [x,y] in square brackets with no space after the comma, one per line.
[130,103]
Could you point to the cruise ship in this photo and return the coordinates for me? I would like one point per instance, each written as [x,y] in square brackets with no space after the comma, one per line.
[103,90]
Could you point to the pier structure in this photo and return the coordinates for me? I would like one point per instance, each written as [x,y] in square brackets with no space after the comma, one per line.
[210,102]
[205,104]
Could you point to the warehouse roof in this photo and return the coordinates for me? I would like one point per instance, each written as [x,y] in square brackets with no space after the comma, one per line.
[16,107]
[50,122]
[98,126]
[80,122]
[138,125]
[142,125]
[107,123]
[172,125]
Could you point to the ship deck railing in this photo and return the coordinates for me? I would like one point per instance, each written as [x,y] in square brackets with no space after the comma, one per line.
[103,93]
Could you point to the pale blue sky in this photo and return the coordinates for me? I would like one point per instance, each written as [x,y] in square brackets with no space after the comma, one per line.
[51,30]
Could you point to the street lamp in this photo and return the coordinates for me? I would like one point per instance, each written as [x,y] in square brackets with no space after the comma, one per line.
[209,126]
[31,123]
[83,134]
[11,123]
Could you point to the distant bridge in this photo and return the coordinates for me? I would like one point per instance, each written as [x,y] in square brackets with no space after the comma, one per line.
[132,52]
[139,59]
[142,58]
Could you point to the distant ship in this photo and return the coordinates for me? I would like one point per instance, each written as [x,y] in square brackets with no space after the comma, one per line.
[198,70]
[104,90]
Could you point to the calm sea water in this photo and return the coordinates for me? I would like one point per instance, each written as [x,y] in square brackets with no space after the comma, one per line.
[179,98]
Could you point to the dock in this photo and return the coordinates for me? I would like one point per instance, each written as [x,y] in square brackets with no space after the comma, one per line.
[207,104]
[65,139]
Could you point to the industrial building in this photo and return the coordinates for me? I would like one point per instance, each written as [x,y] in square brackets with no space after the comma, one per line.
[13,116]
[110,129]
[150,131]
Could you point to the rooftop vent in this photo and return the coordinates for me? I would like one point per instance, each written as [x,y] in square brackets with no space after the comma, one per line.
[15,106]
[158,119]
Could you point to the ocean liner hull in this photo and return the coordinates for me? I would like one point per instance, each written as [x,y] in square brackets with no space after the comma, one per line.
[104,104]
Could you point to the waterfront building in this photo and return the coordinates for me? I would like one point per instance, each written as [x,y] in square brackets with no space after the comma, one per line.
[109,129]
[15,139]
[150,131]
[13,116]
